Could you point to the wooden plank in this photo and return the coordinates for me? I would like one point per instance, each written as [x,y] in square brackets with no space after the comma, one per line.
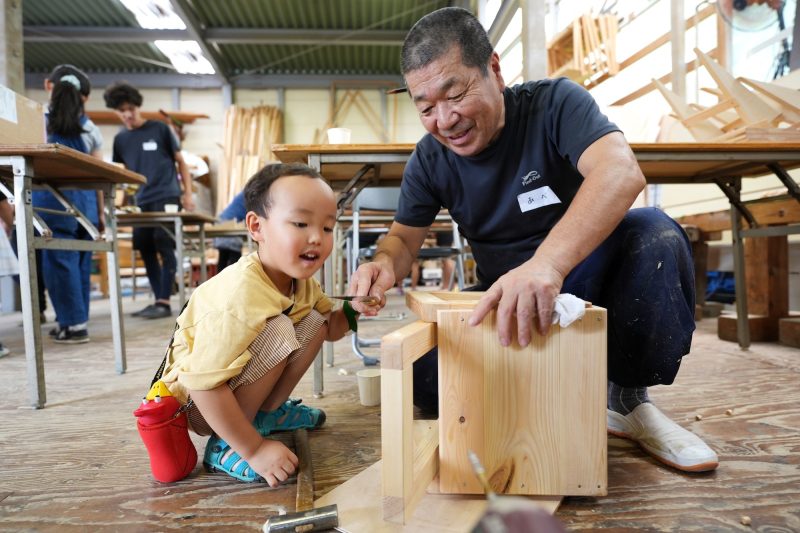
[110,117]
[399,349]
[305,472]
[426,304]
[359,503]
[789,331]
[690,66]
[762,328]
[517,409]
[767,274]
[58,161]
[774,210]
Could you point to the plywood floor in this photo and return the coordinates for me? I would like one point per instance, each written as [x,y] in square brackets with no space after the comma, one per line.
[78,464]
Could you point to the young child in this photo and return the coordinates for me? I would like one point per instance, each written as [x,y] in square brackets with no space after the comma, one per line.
[248,334]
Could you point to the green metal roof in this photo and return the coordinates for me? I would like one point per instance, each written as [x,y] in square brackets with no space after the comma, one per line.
[252,40]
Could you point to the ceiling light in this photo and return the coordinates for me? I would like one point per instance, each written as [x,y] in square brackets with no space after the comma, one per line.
[186,57]
[154,14]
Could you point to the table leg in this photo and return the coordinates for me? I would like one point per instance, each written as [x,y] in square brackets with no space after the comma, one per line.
[742,322]
[203,266]
[179,270]
[28,285]
[117,324]
[315,163]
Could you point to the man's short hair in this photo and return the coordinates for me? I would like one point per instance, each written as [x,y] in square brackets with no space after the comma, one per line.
[120,93]
[434,34]
[256,191]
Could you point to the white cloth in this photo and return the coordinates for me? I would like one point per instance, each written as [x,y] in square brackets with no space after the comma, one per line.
[8,261]
[568,309]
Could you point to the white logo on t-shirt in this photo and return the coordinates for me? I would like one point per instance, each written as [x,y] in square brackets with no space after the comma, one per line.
[530,177]
[149,146]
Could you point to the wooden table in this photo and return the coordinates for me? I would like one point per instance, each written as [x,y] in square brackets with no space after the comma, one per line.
[174,224]
[351,167]
[55,167]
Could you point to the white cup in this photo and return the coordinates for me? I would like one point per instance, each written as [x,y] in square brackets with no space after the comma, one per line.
[171,208]
[339,136]
[369,386]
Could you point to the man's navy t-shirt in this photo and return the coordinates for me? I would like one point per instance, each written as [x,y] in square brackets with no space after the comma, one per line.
[150,150]
[507,198]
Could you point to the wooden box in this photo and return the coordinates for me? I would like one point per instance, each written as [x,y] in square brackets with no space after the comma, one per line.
[535,416]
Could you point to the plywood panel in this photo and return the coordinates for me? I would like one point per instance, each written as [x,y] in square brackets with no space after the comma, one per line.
[535,415]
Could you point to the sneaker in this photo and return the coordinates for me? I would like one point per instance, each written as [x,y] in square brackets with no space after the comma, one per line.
[144,310]
[54,332]
[156,311]
[3,350]
[662,438]
[67,336]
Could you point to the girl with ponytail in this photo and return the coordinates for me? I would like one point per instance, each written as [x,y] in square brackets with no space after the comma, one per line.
[67,273]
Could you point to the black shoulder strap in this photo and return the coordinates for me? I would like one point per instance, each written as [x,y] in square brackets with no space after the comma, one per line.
[163,365]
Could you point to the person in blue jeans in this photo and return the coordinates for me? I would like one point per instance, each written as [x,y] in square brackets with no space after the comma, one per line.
[541,183]
[67,273]
[150,148]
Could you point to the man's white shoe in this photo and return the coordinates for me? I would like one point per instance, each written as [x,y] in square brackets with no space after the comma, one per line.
[663,439]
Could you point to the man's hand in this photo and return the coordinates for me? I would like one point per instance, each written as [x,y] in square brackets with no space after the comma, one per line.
[524,295]
[371,279]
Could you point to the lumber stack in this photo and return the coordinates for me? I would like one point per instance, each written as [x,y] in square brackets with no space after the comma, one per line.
[249,135]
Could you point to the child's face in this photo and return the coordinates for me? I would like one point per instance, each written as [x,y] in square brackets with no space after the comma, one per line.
[297,235]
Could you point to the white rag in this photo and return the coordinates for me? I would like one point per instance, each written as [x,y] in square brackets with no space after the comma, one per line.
[568,309]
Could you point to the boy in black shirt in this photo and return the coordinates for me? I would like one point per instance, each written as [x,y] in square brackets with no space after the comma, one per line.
[151,149]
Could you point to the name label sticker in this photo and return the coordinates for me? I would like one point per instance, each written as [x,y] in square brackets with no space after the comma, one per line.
[528,201]
[149,146]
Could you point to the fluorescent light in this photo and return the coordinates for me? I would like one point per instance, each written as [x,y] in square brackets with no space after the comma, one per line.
[186,56]
[154,14]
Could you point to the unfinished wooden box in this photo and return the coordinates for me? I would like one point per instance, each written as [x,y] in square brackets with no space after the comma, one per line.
[535,416]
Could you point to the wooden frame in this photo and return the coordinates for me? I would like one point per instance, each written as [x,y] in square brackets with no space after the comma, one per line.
[412,450]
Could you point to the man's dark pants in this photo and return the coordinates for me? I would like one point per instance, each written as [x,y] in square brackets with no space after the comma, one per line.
[155,243]
[643,274]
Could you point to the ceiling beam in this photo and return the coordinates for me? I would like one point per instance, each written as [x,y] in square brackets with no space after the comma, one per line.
[195,81]
[501,20]
[92,34]
[304,36]
[195,28]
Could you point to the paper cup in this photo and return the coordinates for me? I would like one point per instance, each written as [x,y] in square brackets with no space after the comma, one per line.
[171,208]
[339,136]
[369,386]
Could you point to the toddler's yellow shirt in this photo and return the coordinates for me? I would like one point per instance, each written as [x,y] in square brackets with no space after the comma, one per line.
[223,317]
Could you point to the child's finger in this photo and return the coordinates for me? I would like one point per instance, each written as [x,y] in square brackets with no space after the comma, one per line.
[271,480]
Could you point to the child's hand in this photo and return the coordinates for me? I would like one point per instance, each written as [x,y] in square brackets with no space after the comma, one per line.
[274,461]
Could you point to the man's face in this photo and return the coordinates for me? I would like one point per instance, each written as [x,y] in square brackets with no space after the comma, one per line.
[460,107]
[130,115]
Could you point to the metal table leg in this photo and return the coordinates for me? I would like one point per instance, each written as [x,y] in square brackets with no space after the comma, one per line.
[114,291]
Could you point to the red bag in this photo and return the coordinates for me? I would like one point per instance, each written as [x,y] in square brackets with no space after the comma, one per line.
[164,429]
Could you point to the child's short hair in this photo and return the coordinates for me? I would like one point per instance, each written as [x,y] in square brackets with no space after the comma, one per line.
[256,191]
[122,92]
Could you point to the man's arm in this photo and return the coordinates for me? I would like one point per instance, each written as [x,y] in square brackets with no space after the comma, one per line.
[186,177]
[612,181]
[392,261]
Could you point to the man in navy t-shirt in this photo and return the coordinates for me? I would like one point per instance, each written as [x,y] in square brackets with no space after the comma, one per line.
[540,183]
[150,148]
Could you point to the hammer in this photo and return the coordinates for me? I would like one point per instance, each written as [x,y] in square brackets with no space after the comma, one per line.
[306,518]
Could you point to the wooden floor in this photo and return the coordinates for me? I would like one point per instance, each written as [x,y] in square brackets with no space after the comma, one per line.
[78,464]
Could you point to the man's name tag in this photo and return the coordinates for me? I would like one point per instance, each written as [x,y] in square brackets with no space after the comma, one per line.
[528,201]
[149,146]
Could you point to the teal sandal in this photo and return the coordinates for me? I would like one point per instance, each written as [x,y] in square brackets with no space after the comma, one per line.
[219,457]
[289,416]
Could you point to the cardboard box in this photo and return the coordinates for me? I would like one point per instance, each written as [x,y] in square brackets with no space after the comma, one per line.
[21,119]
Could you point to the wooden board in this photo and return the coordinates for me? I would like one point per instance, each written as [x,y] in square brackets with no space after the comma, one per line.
[56,162]
[426,305]
[536,416]
[789,331]
[359,501]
